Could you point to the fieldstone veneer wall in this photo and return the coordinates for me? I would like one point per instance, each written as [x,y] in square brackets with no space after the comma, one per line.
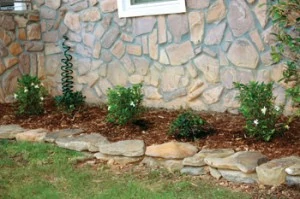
[21,49]
[185,60]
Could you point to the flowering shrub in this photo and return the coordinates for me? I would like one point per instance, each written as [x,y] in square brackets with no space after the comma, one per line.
[124,104]
[257,106]
[30,95]
[189,126]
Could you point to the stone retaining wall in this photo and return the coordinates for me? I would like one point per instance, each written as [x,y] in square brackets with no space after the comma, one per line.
[242,166]
[185,60]
[21,49]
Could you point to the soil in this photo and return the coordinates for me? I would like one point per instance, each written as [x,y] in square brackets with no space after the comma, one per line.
[228,132]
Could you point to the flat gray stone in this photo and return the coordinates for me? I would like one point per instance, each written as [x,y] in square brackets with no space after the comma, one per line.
[83,142]
[293,170]
[10,131]
[129,148]
[245,161]
[215,173]
[215,153]
[171,165]
[238,176]
[194,161]
[293,180]
[273,172]
[194,171]
[52,136]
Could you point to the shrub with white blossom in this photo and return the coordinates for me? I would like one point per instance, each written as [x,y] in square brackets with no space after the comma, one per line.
[257,106]
[30,95]
[124,104]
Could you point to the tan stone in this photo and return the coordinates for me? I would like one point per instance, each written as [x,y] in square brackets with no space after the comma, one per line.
[153,46]
[21,21]
[178,26]
[126,37]
[171,150]
[145,44]
[104,85]
[90,79]
[212,96]
[230,100]
[239,17]
[152,93]
[243,54]
[273,172]
[293,170]
[34,17]
[136,79]
[54,4]
[9,83]
[216,12]
[196,22]
[245,161]
[192,95]
[180,53]
[142,25]
[52,48]
[255,37]
[209,66]
[25,64]
[118,49]
[191,68]
[110,37]
[116,73]
[261,12]
[10,62]
[97,50]
[72,21]
[2,68]
[15,49]
[163,57]
[108,5]
[90,15]
[196,4]
[215,153]
[215,34]
[5,37]
[134,49]
[162,29]
[22,34]
[34,32]
[141,65]
[170,78]
[36,135]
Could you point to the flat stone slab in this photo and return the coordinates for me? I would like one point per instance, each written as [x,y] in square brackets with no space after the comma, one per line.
[245,161]
[198,159]
[83,142]
[238,176]
[194,171]
[273,173]
[170,165]
[215,173]
[128,148]
[121,160]
[10,131]
[171,150]
[52,136]
[35,135]
[293,180]
[293,170]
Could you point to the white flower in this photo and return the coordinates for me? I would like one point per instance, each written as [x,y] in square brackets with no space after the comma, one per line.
[108,108]
[264,110]
[42,99]
[277,108]
[15,96]
[132,104]
[287,127]
[255,122]
[36,86]
[32,84]
[42,84]
[25,90]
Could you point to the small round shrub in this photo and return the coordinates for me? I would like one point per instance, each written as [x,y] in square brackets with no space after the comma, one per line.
[188,126]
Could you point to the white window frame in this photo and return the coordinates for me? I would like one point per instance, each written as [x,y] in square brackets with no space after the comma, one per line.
[125,9]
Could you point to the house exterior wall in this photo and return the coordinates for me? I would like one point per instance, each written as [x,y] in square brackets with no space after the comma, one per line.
[21,49]
[187,60]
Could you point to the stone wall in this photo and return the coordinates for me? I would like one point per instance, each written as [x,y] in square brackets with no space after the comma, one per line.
[21,49]
[185,60]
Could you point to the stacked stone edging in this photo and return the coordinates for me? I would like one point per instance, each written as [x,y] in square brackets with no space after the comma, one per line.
[241,167]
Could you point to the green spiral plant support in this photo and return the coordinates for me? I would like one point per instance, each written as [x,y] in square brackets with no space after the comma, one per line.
[70,100]
[66,75]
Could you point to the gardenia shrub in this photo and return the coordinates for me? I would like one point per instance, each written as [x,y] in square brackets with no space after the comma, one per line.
[30,96]
[124,104]
[257,106]
[188,126]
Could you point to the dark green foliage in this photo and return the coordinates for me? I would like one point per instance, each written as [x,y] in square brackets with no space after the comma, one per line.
[257,106]
[30,95]
[124,104]
[188,126]
[70,100]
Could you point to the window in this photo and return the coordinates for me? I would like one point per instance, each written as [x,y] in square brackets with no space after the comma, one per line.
[10,5]
[130,8]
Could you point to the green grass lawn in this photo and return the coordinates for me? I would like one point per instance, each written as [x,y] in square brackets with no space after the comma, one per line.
[33,170]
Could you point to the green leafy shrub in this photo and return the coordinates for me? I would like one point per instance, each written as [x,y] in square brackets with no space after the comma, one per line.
[285,15]
[257,106]
[69,101]
[124,104]
[30,95]
[188,126]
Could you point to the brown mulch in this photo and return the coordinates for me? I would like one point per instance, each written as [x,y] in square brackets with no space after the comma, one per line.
[153,129]
[154,126]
